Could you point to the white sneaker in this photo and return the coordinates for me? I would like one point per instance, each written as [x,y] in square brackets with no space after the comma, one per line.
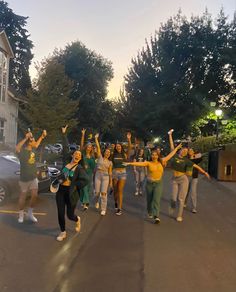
[136,193]
[179,219]
[21,216]
[78,225]
[103,213]
[194,211]
[61,236]
[31,216]
[97,205]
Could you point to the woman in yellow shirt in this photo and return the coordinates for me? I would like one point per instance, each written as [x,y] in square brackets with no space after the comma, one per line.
[155,171]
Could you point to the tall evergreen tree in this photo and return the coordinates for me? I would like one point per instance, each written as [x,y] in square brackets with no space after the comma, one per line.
[14,26]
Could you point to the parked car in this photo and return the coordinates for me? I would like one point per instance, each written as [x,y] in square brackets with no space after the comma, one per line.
[55,148]
[53,172]
[10,174]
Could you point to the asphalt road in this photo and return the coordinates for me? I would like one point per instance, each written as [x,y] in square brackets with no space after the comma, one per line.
[124,253]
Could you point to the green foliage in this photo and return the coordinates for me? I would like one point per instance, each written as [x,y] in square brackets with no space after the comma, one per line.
[14,26]
[178,73]
[49,105]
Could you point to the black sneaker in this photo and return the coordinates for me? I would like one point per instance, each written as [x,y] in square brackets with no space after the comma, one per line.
[118,212]
[157,220]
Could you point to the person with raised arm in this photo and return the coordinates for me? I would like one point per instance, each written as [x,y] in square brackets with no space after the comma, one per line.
[75,179]
[155,170]
[180,164]
[89,165]
[119,173]
[103,176]
[28,173]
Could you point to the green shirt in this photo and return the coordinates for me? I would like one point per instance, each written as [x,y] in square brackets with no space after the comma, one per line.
[28,168]
[180,164]
[89,164]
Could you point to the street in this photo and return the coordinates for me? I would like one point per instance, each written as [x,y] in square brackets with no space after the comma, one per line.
[123,253]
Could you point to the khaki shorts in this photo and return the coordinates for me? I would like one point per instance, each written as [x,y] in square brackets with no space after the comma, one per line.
[28,185]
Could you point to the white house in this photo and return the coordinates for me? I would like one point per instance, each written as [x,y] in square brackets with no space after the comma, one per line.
[8,102]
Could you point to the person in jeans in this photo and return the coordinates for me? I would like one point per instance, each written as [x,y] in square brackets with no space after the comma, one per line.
[180,164]
[28,173]
[196,158]
[68,193]
[103,177]
[155,171]
[139,172]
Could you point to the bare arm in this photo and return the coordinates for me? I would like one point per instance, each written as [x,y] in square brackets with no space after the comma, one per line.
[144,164]
[40,139]
[201,170]
[110,175]
[171,154]
[172,146]
[22,142]
[129,144]
[82,139]
[98,145]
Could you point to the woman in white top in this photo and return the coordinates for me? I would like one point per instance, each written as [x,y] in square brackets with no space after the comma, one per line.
[103,177]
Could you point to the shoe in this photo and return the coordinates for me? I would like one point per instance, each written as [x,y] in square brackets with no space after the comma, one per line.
[97,205]
[78,225]
[157,220]
[21,216]
[31,216]
[179,219]
[136,193]
[150,216]
[103,213]
[119,212]
[61,236]
[85,208]
[140,193]
[194,211]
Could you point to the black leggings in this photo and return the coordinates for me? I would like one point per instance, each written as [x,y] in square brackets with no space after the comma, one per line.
[63,201]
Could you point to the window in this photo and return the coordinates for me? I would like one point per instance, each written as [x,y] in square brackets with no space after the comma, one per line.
[1,131]
[3,76]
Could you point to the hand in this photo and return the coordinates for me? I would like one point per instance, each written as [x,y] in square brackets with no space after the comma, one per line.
[28,135]
[64,129]
[125,163]
[128,135]
[83,131]
[44,134]
[96,136]
[170,131]
[207,175]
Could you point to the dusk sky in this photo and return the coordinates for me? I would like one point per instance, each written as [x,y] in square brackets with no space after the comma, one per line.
[115,29]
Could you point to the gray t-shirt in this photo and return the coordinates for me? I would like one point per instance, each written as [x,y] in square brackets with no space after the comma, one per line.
[103,164]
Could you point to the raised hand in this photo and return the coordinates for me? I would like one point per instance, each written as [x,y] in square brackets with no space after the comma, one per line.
[128,135]
[64,129]
[44,134]
[170,132]
[96,136]
[179,146]
[83,131]
[28,135]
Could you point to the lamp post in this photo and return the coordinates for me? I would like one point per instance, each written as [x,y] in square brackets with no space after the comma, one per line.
[218,113]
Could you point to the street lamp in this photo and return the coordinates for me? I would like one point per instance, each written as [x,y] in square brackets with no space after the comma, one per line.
[218,113]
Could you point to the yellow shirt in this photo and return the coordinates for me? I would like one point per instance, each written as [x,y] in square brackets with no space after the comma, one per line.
[155,171]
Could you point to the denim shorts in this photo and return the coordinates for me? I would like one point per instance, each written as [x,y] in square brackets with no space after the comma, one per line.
[119,174]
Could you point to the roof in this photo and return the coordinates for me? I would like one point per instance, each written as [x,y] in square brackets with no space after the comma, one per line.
[7,44]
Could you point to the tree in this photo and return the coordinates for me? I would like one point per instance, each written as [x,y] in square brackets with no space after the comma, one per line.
[91,74]
[177,74]
[14,26]
[49,105]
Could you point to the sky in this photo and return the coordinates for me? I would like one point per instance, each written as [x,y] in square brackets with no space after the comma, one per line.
[115,29]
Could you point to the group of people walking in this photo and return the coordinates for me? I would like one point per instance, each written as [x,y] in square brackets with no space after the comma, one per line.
[86,174]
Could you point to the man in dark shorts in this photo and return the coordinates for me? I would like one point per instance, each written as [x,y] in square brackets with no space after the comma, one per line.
[28,173]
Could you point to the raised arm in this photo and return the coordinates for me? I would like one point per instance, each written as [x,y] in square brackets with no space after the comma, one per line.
[171,154]
[40,139]
[22,142]
[129,144]
[82,139]
[201,170]
[98,145]
[172,146]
